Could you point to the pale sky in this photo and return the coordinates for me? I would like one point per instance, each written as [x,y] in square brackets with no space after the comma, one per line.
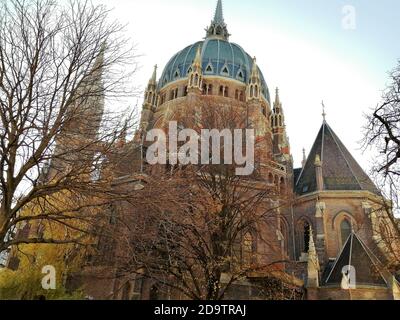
[301,47]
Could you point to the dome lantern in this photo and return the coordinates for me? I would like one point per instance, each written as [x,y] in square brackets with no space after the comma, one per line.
[218,28]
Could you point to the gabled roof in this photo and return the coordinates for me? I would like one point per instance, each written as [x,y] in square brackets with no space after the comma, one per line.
[340,170]
[367,267]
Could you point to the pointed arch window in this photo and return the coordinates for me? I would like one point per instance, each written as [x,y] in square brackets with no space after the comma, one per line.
[240,75]
[209,68]
[303,237]
[225,70]
[190,70]
[345,230]
[177,74]
[306,237]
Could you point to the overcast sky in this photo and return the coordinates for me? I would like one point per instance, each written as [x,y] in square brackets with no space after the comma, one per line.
[307,48]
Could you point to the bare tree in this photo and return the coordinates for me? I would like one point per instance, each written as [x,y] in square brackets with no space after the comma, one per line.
[195,229]
[59,62]
[382,133]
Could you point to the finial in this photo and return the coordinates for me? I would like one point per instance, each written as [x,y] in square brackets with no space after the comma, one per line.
[154,76]
[277,98]
[312,252]
[304,158]
[317,161]
[323,111]
[311,234]
[197,59]
[254,71]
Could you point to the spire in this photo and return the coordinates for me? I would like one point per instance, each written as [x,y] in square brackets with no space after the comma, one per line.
[150,96]
[323,111]
[153,79]
[218,28]
[277,99]
[277,103]
[94,77]
[197,59]
[219,15]
[196,74]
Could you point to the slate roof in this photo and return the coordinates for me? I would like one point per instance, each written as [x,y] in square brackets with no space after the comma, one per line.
[339,168]
[355,253]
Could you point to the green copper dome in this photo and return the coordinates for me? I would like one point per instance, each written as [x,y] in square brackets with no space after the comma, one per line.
[219,57]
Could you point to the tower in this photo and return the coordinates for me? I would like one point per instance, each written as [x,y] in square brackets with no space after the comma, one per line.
[254,86]
[150,101]
[280,141]
[76,140]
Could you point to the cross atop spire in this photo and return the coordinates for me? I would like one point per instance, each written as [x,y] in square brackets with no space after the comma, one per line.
[323,111]
[218,28]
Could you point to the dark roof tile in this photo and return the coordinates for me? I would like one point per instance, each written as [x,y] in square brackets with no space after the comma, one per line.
[339,168]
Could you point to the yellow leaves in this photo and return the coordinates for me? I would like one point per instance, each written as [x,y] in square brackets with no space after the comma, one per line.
[26,282]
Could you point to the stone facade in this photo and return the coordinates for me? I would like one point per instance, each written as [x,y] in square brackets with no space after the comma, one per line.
[332,197]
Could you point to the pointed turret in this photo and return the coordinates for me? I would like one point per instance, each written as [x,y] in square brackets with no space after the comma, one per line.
[277,120]
[313,266]
[197,59]
[153,80]
[277,117]
[150,101]
[254,86]
[150,96]
[218,28]
[195,83]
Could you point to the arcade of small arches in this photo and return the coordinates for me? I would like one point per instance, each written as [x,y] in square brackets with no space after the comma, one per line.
[207,89]
[277,181]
